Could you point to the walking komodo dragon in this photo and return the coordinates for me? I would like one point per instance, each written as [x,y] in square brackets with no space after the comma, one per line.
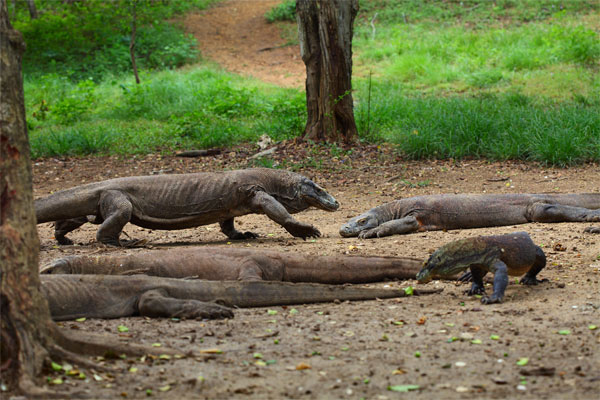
[234,263]
[503,255]
[109,296]
[182,201]
[462,211]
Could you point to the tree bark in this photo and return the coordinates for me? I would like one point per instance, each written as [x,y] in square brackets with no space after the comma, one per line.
[26,327]
[325,29]
[132,41]
[33,14]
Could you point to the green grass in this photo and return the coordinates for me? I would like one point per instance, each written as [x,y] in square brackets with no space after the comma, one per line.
[200,107]
[503,126]
[501,80]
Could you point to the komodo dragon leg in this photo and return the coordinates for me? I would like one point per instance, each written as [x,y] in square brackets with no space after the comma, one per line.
[115,209]
[277,212]
[500,271]
[544,212]
[61,228]
[228,228]
[407,224]
[156,303]
[592,229]
[530,278]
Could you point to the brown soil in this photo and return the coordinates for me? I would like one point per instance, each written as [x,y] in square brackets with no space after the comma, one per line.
[236,35]
[353,350]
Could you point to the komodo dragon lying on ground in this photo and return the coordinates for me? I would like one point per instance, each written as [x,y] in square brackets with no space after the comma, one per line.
[232,263]
[185,201]
[461,211]
[503,255]
[106,296]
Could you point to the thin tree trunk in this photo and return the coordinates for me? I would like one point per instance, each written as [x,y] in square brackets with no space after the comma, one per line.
[33,14]
[132,42]
[325,33]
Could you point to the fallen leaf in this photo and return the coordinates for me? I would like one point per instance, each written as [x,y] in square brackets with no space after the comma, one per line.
[421,320]
[211,351]
[476,341]
[494,337]
[80,319]
[122,328]
[257,355]
[460,363]
[409,291]
[56,366]
[564,332]
[402,388]
[271,312]
[592,327]
[165,388]
[523,361]
[302,366]
[398,371]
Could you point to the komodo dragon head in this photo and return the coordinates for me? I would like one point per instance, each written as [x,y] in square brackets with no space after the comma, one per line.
[360,223]
[297,193]
[455,257]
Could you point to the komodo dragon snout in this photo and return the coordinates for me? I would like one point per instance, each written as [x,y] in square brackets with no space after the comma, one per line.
[316,196]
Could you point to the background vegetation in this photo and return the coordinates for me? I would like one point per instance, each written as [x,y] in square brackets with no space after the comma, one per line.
[498,79]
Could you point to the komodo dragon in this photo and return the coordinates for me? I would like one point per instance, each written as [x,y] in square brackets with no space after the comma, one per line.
[106,296]
[185,201]
[233,263]
[461,211]
[503,255]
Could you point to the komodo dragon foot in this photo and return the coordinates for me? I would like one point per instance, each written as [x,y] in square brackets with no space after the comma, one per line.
[528,280]
[592,229]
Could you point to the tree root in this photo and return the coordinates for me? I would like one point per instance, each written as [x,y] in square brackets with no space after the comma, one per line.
[99,344]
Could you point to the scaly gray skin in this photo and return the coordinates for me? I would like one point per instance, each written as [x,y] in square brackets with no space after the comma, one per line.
[463,211]
[592,229]
[106,296]
[503,255]
[233,263]
[185,201]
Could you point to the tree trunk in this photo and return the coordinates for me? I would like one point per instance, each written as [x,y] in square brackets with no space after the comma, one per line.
[325,32]
[26,326]
[29,337]
[33,14]
[132,41]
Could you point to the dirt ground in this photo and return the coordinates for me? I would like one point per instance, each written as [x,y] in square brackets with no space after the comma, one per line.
[356,350]
[448,344]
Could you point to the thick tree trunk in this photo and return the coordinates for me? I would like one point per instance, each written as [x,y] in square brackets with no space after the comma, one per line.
[26,325]
[325,30]
[132,41]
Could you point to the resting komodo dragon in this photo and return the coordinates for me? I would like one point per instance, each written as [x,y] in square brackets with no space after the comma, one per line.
[233,263]
[503,255]
[461,211]
[107,296]
[184,201]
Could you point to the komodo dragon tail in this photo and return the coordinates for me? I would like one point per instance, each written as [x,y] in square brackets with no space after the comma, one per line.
[69,203]
[268,293]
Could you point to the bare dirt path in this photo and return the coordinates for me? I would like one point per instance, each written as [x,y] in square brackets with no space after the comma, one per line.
[236,35]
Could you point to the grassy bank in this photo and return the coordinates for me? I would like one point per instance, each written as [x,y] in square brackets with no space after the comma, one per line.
[501,80]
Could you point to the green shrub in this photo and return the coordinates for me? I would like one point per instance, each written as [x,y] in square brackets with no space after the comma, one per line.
[285,11]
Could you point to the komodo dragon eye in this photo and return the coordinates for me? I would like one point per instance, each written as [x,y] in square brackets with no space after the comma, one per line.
[362,221]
